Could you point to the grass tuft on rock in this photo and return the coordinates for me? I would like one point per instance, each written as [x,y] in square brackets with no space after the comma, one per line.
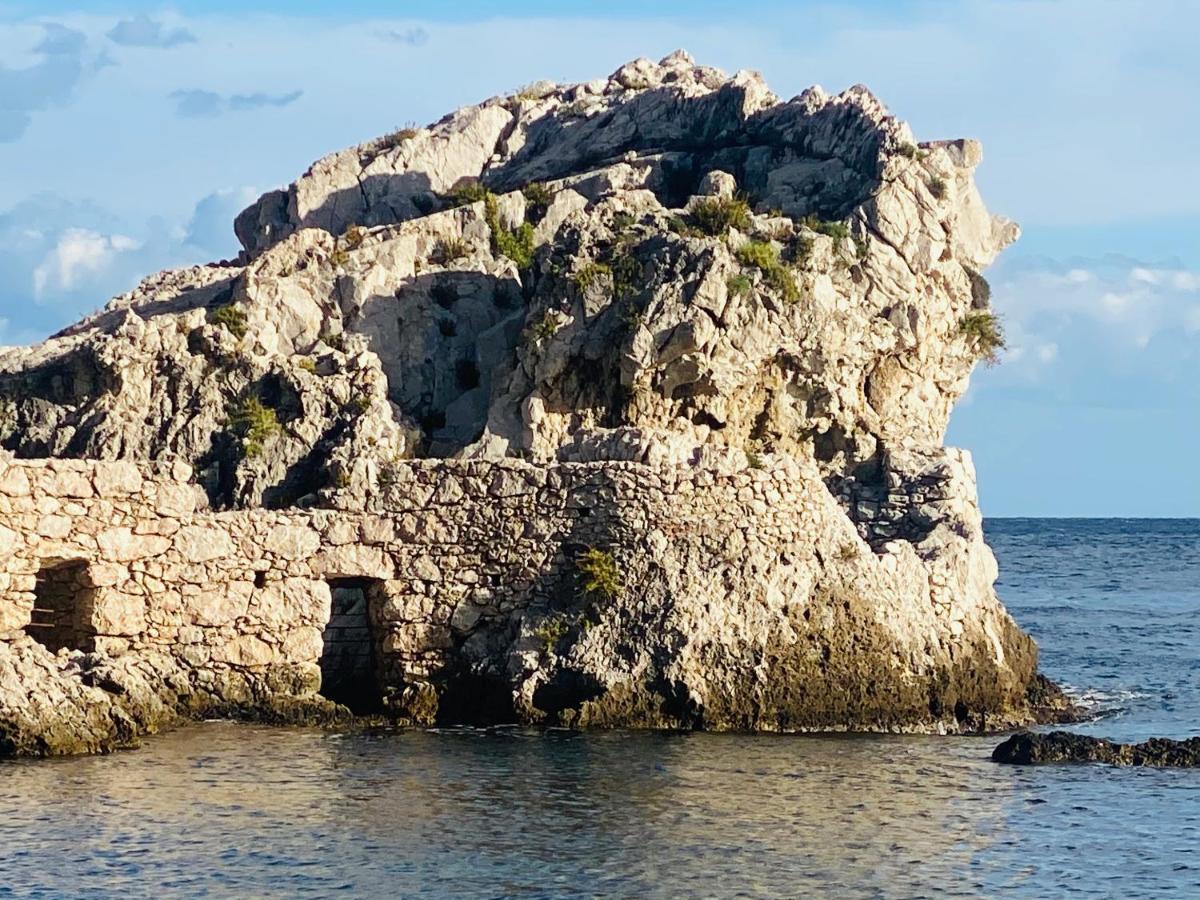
[545,328]
[450,249]
[714,216]
[839,231]
[590,274]
[465,193]
[739,285]
[551,631]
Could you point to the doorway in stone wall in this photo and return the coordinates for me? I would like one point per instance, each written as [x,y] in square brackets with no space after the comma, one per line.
[348,666]
[62,607]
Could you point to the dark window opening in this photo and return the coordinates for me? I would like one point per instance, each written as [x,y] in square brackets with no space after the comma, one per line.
[62,607]
[348,662]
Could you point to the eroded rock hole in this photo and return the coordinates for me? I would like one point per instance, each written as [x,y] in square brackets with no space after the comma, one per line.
[62,607]
[348,667]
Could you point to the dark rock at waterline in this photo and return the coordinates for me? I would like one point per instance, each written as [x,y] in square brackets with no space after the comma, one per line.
[1027,749]
[1049,704]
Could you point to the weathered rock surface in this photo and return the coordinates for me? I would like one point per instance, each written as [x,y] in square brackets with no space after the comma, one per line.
[461,364]
[1028,749]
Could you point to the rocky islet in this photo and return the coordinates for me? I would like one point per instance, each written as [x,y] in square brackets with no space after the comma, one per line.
[611,404]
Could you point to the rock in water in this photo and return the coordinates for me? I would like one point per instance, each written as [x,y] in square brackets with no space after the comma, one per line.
[618,403]
[1028,749]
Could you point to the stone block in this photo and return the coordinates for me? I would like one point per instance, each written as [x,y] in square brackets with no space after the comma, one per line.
[353,561]
[283,604]
[292,541]
[303,644]
[175,500]
[217,605]
[122,545]
[114,479]
[68,483]
[117,614]
[14,482]
[245,650]
[198,543]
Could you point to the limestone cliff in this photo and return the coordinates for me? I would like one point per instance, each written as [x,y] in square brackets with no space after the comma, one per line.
[716,335]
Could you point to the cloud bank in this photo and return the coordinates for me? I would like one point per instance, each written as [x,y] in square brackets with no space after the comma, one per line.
[142,31]
[49,82]
[195,103]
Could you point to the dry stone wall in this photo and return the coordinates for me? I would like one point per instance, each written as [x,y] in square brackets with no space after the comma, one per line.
[737,590]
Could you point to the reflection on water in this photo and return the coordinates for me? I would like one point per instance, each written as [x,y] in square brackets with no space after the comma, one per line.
[233,810]
[237,811]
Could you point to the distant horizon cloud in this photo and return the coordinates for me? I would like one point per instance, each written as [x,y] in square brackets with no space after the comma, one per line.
[197,103]
[413,37]
[143,31]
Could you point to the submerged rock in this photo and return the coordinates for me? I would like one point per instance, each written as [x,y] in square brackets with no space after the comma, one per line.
[615,404]
[1066,747]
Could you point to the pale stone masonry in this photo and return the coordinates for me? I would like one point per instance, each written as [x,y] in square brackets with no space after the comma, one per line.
[462,565]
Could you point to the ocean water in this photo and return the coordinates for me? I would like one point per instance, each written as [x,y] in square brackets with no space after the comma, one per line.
[227,810]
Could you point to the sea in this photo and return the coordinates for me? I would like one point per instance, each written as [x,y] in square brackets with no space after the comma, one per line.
[225,810]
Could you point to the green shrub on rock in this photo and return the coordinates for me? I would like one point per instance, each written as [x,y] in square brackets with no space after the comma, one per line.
[764,256]
[738,285]
[232,318]
[538,198]
[600,573]
[839,231]
[517,245]
[983,332]
[551,631]
[253,422]
[590,274]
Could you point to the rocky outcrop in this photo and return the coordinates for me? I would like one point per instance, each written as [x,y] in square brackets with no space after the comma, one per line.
[663,324]
[1027,749]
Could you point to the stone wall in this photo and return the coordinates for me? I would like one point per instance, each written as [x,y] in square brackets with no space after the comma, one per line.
[734,585]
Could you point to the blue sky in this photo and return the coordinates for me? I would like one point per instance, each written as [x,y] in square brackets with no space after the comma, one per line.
[131,133]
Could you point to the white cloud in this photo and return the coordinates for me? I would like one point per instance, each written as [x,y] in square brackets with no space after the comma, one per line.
[79,253]
[1080,319]
[1131,302]
[60,259]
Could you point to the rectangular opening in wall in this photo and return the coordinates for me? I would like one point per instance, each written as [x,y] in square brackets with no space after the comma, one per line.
[62,607]
[348,671]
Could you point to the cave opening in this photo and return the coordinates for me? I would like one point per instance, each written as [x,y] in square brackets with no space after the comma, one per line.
[349,673]
[62,604]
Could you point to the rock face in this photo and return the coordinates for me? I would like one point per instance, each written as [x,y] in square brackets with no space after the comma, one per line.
[654,370]
[1065,747]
